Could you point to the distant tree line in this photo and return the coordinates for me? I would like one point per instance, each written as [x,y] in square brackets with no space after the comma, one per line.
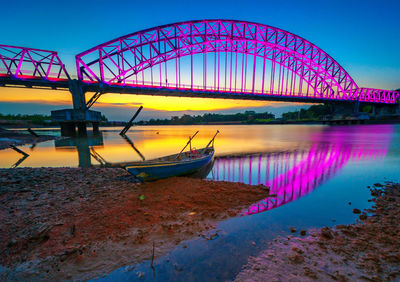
[34,119]
[315,112]
[246,117]
[312,113]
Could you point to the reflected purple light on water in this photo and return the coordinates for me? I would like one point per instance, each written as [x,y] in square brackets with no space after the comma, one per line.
[291,175]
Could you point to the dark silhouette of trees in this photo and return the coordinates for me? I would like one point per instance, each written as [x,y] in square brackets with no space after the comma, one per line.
[246,117]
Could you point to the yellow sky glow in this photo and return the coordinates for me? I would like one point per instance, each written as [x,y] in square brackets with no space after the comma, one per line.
[176,103]
[163,103]
[40,96]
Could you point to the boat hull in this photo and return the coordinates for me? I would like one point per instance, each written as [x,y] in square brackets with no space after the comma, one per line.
[158,170]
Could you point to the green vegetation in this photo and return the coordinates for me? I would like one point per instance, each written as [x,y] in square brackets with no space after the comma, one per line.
[315,112]
[34,119]
[312,113]
[104,118]
[367,109]
[246,117]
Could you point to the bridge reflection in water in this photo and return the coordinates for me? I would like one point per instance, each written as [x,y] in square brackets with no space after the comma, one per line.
[83,145]
[291,175]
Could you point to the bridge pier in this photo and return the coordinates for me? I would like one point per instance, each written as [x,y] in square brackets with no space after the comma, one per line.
[71,119]
[67,129]
[344,108]
[357,107]
[78,95]
[348,108]
[96,130]
[81,128]
[82,146]
[380,110]
[79,116]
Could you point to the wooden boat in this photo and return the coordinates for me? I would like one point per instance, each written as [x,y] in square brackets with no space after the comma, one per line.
[184,163]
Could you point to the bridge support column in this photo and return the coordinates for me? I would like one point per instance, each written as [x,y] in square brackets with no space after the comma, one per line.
[344,108]
[79,116]
[69,119]
[83,152]
[95,128]
[82,128]
[357,107]
[79,104]
[386,110]
[78,95]
[67,129]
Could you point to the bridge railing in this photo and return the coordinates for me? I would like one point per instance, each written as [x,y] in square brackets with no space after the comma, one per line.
[377,95]
[361,94]
[29,63]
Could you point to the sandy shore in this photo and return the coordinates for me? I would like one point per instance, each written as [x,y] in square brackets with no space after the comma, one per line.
[368,250]
[16,138]
[71,223]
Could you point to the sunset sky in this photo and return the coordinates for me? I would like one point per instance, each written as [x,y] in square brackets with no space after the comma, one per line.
[363,36]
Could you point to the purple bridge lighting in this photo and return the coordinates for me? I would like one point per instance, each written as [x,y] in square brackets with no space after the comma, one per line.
[219,57]
[204,58]
[292,175]
[22,65]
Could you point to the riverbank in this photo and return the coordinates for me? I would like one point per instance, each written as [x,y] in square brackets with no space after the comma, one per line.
[16,138]
[293,122]
[367,250]
[70,223]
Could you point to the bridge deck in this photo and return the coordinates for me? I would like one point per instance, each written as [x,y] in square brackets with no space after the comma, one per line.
[64,84]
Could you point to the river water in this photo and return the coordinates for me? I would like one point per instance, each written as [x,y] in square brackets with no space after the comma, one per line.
[319,174]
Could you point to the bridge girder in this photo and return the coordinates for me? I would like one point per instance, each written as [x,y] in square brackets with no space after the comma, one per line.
[22,63]
[304,69]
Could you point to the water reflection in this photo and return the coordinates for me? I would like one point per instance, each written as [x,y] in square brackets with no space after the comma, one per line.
[86,148]
[129,141]
[346,158]
[292,175]
[152,142]
[82,145]
[23,158]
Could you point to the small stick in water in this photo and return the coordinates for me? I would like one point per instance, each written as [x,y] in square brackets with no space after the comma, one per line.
[32,132]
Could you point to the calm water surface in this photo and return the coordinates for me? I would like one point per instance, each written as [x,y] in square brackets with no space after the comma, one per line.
[319,174]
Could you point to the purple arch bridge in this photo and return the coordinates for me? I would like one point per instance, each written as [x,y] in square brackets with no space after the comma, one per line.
[204,58]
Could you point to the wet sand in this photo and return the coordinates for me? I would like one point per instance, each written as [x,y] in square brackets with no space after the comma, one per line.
[368,250]
[71,223]
[17,138]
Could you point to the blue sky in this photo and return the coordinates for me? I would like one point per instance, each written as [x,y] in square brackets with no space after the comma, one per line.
[363,36]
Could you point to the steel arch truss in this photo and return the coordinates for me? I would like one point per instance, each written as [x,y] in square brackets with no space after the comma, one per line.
[378,95]
[236,57]
[31,64]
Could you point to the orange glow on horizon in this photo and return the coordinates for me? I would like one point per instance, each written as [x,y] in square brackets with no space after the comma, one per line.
[37,96]
[164,103]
